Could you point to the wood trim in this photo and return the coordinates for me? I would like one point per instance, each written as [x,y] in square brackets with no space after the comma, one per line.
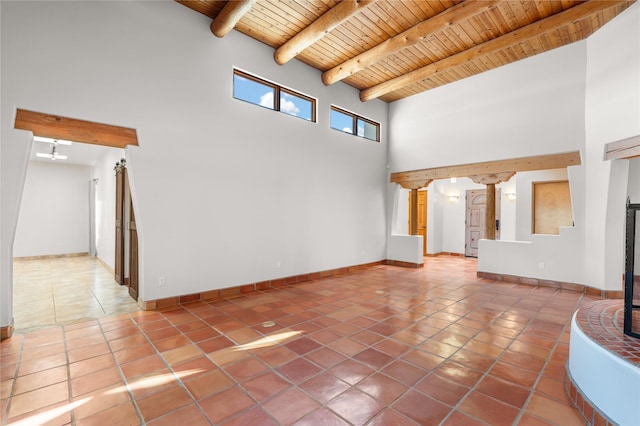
[6,332]
[580,288]
[513,38]
[524,164]
[58,127]
[442,21]
[319,28]
[625,148]
[229,16]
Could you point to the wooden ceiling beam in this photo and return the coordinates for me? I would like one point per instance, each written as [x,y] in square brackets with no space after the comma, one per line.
[499,168]
[625,148]
[319,28]
[495,45]
[229,16]
[440,22]
[57,127]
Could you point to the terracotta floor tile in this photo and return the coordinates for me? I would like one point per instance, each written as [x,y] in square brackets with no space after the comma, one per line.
[194,367]
[181,354]
[94,381]
[404,372]
[325,357]
[513,374]
[154,382]
[89,351]
[324,387]
[553,411]
[53,415]
[265,386]
[373,358]
[321,416]
[347,346]
[458,418]
[128,355]
[302,346]
[289,406]
[142,366]
[424,360]
[98,401]
[161,403]
[441,389]
[223,405]
[391,417]
[503,391]
[170,343]
[39,398]
[421,408]
[91,365]
[124,414]
[488,409]
[40,379]
[382,387]
[298,370]
[355,406]
[351,371]
[42,351]
[255,416]
[458,373]
[207,384]
[201,333]
[39,364]
[128,343]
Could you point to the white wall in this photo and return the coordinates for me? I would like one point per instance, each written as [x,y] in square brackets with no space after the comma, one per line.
[224,191]
[633,187]
[105,204]
[54,214]
[612,111]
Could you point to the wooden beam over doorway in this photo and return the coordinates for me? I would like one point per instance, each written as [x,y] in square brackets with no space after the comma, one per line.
[524,164]
[58,127]
[625,148]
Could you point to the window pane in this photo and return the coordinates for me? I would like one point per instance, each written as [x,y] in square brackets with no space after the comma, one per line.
[251,91]
[341,121]
[367,130]
[295,105]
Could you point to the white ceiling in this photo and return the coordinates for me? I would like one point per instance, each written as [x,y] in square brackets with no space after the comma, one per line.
[77,153]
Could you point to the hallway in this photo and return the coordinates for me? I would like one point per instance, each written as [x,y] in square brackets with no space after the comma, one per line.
[385,346]
[64,290]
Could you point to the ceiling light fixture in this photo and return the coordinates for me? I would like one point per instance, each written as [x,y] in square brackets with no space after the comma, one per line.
[51,140]
[53,155]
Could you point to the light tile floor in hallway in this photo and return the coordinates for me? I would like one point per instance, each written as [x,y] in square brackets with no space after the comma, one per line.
[63,290]
[387,346]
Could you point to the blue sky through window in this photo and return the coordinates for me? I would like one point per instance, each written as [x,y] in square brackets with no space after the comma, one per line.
[257,93]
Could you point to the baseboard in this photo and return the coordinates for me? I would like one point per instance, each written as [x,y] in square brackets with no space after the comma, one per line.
[6,332]
[105,266]
[580,288]
[51,256]
[444,253]
[213,295]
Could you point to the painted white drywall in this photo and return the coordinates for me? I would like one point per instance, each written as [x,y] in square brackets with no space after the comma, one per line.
[224,191]
[105,204]
[54,214]
[633,186]
[612,111]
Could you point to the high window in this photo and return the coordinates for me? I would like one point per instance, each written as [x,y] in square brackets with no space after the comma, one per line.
[349,122]
[258,91]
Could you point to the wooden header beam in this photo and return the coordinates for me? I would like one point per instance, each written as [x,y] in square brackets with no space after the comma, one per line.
[520,35]
[229,16]
[446,19]
[57,127]
[524,164]
[319,28]
[625,148]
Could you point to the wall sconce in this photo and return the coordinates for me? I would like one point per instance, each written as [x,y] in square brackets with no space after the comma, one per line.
[453,198]
[511,196]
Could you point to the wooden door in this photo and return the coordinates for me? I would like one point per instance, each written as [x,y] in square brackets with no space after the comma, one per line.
[422,218]
[119,260]
[133,254]
[475,219]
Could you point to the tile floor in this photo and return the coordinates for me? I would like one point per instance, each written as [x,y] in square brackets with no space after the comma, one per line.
[387,346]
[64,290]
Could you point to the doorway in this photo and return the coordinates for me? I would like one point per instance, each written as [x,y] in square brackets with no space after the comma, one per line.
[126,234]
[475,219]
[422,218]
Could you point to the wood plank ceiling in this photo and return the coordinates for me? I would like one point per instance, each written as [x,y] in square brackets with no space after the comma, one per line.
[391,49]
